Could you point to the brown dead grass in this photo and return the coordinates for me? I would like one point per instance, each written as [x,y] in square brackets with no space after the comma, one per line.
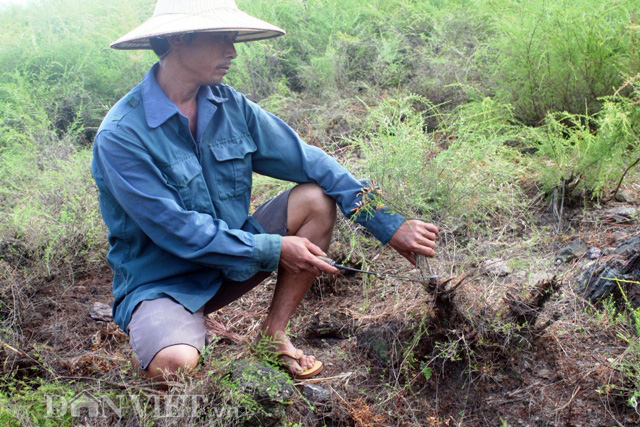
[562,376]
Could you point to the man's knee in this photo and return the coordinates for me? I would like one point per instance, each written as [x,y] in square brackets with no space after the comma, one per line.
[316,202]
[173,360]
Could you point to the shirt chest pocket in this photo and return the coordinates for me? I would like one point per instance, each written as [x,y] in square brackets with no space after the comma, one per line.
[185,176]
[233,165]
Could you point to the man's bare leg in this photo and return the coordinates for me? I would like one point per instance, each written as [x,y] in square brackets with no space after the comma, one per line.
[169,363]
[312,215]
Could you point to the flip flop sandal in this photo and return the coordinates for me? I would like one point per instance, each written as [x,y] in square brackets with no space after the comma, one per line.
[306,373]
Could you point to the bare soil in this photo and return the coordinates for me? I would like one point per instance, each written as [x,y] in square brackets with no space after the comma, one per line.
[393,356]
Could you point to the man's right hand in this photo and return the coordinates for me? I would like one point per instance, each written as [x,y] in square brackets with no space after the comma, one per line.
[299,255]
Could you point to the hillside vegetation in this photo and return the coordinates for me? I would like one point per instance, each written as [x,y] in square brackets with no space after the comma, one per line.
[482,116]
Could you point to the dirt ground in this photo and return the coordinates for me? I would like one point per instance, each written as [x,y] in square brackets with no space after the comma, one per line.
[392,357]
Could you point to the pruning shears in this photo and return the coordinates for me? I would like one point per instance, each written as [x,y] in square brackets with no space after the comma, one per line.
[355,270]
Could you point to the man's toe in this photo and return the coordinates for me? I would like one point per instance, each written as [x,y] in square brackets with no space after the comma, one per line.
[307,361]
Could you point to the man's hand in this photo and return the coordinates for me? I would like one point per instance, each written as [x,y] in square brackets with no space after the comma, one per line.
[415,237]
[299,255]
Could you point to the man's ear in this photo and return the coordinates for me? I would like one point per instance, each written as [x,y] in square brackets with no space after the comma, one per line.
[176,40]
[179,40]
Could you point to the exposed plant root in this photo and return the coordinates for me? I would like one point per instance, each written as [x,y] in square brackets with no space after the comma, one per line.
[525,311]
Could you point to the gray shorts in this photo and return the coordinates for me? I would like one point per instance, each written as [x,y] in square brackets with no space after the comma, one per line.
[159,323]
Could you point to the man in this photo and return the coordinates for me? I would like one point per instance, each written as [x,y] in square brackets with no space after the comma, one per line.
[173,162]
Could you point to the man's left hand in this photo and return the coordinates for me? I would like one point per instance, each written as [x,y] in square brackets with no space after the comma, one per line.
[415,237]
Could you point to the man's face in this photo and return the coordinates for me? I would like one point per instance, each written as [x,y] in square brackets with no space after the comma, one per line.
[207,57]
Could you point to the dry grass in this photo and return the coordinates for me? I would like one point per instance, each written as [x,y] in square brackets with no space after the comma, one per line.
[390,357]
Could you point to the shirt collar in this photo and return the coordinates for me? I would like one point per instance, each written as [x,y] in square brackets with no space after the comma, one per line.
[158,107]
[209,95]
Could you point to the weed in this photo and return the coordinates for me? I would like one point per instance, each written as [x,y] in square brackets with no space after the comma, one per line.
[464,176]
[25,404]
[634,312]
[570,154]
[561,56]
[264,349]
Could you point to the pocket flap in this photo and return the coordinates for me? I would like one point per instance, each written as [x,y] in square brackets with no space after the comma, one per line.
[235,148]
[181,173]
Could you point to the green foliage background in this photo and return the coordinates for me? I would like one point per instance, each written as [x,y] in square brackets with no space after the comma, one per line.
[462,85]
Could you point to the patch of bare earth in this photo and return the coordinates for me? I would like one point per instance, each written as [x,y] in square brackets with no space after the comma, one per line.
[483,347]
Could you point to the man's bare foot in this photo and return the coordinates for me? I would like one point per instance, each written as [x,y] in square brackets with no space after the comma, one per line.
[290,356]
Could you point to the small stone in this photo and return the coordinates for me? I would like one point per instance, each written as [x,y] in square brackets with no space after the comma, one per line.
[625,196]
[268,386]
[622,214]
[315,394]
[334,324]
[590,266]
[537,276]
[593,253]
[573,250]
[544,373]
[101,311]
[619,235]
[496,267]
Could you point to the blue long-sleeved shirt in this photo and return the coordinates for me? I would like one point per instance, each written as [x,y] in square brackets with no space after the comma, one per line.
[177,207]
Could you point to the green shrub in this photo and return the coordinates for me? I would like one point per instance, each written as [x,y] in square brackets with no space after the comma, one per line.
[590,153]
[26,404]
[60,51]
[465,172]
[449,65]
[332,46]
[562,55]
[55,220]
[58,80]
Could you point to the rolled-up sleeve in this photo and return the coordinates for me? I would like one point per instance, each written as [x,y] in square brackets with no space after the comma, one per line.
[135,182]
[282,154]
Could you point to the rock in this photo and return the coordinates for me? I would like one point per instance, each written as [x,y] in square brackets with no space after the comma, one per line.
[540,276]
[573,250]
[622,214]
[101,311]
[626,196]
[333,324]
[496,267]
[267,385]
[593,253]
[619,235]
[589,266]
[598,281]
[315,394]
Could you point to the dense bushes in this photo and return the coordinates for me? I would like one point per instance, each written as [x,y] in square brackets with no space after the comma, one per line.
[466,172]
[538,56]
[383,75]
[562,55]
[58,80]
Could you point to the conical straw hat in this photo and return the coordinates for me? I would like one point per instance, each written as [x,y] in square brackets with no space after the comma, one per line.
[188,16]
